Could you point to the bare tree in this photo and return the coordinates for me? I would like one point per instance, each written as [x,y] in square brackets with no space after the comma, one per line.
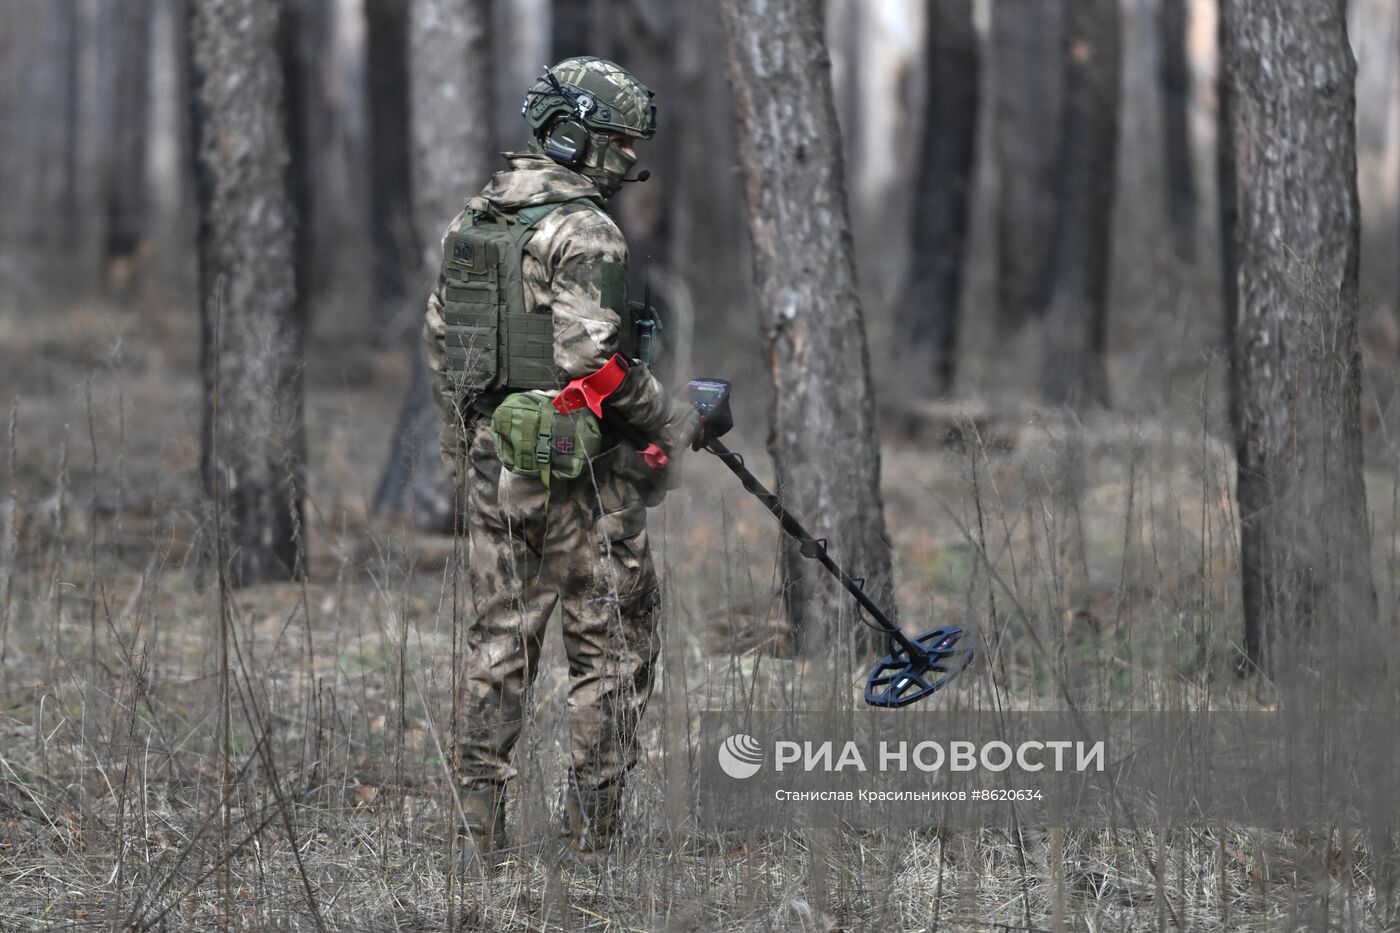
[943,195]
[1072,369]
[1305,544]
[1175,78]
[450,81]
[1027,62]
[823,439]
[253,439]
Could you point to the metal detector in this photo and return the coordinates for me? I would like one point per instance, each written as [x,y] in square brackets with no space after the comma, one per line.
[915,668]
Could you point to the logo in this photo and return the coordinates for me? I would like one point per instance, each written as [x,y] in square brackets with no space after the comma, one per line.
[740,756]
[564,444]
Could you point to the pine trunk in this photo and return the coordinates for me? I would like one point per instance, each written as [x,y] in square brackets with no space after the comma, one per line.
[823,440]
[451,74]
[1227,215]
[1175,76]
[1026,49]
[391,206]
[1305,544]
[572,32]
[943,195]
[253,442]
[708,242]
[1072,370]
[126,74]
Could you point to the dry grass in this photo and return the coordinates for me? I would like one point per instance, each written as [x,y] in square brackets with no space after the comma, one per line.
[1109,578]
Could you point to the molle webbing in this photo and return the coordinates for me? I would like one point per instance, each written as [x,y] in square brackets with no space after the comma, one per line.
[492,341]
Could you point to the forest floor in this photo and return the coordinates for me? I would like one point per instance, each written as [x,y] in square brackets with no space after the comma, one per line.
[1115,536]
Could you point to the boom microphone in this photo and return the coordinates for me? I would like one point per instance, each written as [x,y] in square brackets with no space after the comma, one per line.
[643,175]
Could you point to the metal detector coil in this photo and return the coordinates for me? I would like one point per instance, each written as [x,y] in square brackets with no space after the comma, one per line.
[915,668]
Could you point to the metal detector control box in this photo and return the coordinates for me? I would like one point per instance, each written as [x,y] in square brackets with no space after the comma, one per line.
[710,397]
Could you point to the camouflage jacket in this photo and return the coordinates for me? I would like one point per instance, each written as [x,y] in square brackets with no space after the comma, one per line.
[563,273]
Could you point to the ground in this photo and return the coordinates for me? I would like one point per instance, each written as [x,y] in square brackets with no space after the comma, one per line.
[1114,556]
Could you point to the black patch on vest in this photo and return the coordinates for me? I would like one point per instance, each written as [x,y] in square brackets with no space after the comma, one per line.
[462,251]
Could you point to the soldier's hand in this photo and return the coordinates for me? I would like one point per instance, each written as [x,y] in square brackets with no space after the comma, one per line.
[683,429]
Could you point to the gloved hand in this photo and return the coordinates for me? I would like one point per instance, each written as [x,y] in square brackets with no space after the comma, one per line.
[683,429]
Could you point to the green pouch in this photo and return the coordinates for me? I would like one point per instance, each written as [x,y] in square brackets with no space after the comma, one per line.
[532,439]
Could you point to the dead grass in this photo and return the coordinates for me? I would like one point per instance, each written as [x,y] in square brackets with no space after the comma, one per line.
[1108,577]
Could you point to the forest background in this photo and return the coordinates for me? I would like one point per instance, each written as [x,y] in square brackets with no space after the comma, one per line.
[1030,262]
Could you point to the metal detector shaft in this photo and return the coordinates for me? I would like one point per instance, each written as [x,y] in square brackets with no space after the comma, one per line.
[811,547]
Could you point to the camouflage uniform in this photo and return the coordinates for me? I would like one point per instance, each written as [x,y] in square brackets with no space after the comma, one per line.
[588,549]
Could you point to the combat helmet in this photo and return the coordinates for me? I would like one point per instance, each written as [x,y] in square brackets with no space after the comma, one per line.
[576,106]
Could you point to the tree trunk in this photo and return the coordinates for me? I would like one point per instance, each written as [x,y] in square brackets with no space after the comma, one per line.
[709,245]
[308,30]
[1227,217]
[451,130]
[253,449]
[643,43]
[1073,365]
[943,196]
[396,249]
[823,441]
[1305,544]
[1026,40]
[1175,76]
[573,32]
[126,75]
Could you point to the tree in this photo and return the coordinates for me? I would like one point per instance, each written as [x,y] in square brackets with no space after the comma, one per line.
[573,29]
[125,59]
[396,249]
[942,197]
[1304,542]
[1227,213]
[708,240]
[1026,47]
[1175,78]
[450,77]
[253,448]
[1072,370]
[823,440]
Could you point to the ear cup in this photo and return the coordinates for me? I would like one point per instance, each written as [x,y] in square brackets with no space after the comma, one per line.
[567,142]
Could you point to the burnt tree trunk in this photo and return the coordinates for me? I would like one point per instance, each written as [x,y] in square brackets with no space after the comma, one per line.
[823,441]
[942,198]
[450,80]
[396,248]
[1072,369]
[125,50]
[1305,544]
[1026,40]
[1175,77]
[253,448]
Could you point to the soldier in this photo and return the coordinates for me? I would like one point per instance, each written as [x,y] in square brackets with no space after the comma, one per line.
[542,303]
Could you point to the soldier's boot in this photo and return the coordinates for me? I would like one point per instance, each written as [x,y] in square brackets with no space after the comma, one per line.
[592,816]
[482,833]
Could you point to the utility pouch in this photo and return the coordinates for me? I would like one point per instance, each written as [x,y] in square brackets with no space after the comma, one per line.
[533,439]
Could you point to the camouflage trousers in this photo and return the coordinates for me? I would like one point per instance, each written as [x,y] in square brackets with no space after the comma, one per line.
[588,550]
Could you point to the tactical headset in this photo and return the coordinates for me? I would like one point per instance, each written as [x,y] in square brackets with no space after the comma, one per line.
[567,142]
